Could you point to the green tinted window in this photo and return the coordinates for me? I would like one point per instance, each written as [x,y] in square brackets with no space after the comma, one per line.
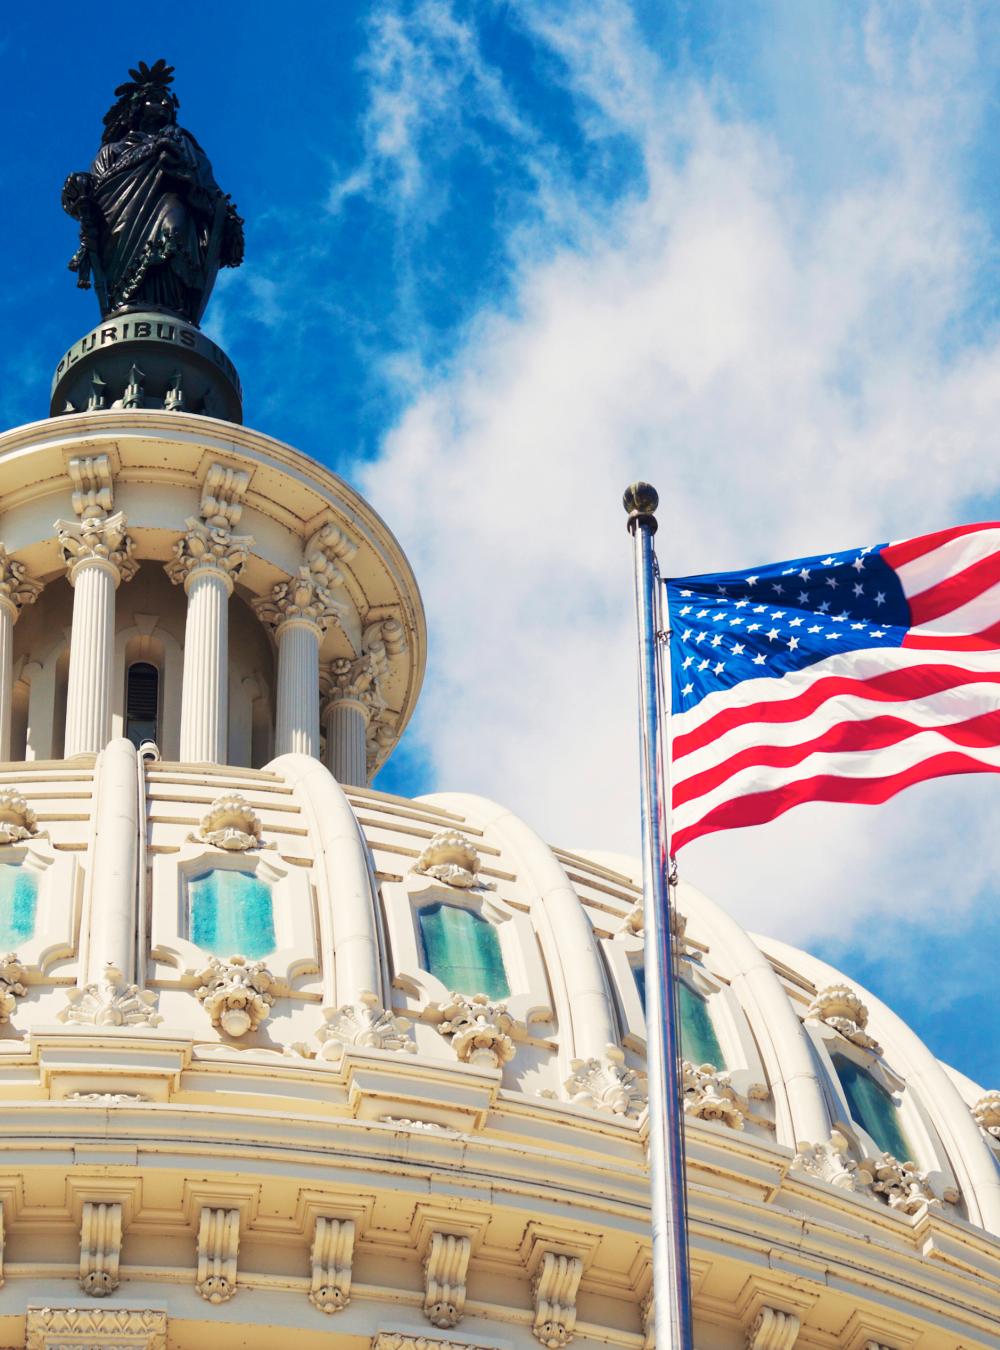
[231,914]
[872,1107]
[699,1043]
[462,950]
[18,898]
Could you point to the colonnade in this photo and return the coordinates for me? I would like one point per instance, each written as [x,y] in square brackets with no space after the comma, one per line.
[208,559]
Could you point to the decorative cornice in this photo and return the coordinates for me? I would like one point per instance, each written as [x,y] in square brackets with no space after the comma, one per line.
[452,858]
[111,1003]
[208,546]
[445,1267]
[16,587]
[708,1094]
[100,1248]
[218,1247]
[17,820]
[555,1288]
[606,1084]
[11,988]
[365,1024]
[96,539]
[773,1329]
[838,1006]
[306,597]
[332,1261]
[479,1029]
[230,823]
[60,1328]
[402,1340]
[236,994]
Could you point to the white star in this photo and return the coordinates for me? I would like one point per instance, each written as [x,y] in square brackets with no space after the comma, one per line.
[688,661]
[686,635]
[828,562]
[814,629]
[686,595]
[858,564]
[858,588]
[772,634]
[738,648]
[795,623]
[856,626]
[832,635]
[702,613]
[832,583]
[752,627]
[688,688]
[759,659]
[702,665]
[824,607]
[877,632]
[685,609]
[778,614]
[716,640]
[839,618]
[788,571]
[803,597]
[752,581]
[700,636]
[759,609]
[717,618]
[718,668]
[741,604]
[866,551]
[778,588]
[805,574]
[723,590]
[793,642]
[734,623]
[880,598]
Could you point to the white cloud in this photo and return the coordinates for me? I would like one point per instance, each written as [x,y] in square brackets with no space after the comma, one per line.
[782,366]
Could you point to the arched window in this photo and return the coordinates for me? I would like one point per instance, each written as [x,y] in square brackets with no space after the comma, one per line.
[18,898]
[142,700]
[231,914]
[462,950]
[872,1107]
[699,1043]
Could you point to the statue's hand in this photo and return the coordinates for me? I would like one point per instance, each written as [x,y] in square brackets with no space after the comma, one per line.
[76,193]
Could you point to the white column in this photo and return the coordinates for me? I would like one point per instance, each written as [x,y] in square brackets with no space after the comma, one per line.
[347,740]
[98,553]
[297,721]
[16,590]
[205,697]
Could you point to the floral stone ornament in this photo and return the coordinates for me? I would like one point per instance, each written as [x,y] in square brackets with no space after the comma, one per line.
[606,1084]
[231,823]
[17,820]
[479,1030]
[112,1003]
[11,988]
[451,858]
[236,994]
[365,1024]
[839,1007]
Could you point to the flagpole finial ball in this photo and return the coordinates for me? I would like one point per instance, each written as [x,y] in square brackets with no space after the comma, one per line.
[641,499]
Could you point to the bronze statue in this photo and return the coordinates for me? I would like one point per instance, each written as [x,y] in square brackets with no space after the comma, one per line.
[154,225]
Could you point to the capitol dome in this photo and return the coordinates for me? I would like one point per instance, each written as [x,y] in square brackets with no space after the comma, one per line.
[285,1055]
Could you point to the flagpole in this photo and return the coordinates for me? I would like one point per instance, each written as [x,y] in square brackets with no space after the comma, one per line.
[671,1280]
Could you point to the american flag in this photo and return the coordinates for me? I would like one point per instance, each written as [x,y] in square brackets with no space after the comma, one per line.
[842,678]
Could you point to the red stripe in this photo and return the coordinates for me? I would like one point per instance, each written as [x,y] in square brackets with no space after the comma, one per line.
[876,733]
[760,807]
[908,550]
[893,686]
[954,591]
[986,641]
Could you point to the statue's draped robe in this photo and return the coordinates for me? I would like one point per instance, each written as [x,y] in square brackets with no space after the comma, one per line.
[162,222]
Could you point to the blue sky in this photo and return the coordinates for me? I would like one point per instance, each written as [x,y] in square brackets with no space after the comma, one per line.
[502,257]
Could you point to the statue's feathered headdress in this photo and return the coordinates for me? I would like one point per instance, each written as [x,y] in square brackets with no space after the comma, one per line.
[159,76]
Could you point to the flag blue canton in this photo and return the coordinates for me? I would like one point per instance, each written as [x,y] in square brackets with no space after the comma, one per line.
[726,627]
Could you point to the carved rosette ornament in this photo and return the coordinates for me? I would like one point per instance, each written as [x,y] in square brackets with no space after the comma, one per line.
[332,1263]
[451,858]
[838,1006]
[218,1249]
[111,1003]
[11,988]
[708,1094]
[102,539]
[208,546]
[479,1030]
[365,1024]
[230,823]
[236,994]
[100,1248]
[16,587]
[986,1113]
[832,1162]
[17,820]
[606,1084]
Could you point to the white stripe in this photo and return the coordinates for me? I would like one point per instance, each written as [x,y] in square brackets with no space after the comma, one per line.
[864,664]
[852,764]
[943,708]
[947,560]
[972,617]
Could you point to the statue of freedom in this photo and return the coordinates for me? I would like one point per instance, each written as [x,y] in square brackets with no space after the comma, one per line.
[154,225]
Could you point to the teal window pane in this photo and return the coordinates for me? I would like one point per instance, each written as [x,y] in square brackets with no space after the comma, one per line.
[230,914]
[18,899]
[462,950]
[872,1107]
[699,1043]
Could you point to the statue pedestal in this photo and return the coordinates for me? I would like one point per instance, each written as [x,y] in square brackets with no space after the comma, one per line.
[147,360]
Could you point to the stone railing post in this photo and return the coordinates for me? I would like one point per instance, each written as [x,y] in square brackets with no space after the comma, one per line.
[16,591]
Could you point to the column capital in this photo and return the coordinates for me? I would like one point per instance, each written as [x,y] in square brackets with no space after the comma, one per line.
[101,541]
[207,547]
[357,682]
[17,589]
[306,598]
